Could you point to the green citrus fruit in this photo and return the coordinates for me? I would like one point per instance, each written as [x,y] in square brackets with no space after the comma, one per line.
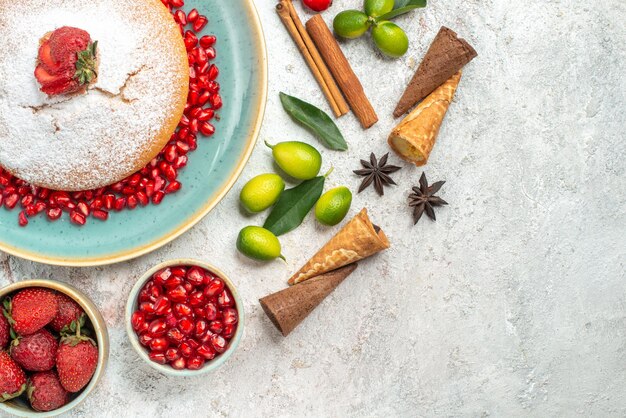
[258,243]
[351,24]
[375,8]
[261,192]
[333,206]
[299,160]
[390,39]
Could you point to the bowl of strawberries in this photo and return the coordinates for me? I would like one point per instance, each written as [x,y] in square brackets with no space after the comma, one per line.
[54,347]
[184,317]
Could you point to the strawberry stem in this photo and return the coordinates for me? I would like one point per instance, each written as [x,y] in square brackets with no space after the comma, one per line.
[86,64]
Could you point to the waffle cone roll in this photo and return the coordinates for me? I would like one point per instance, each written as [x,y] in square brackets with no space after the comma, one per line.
[415,136]
[357,240]
[445,57]
[288,308]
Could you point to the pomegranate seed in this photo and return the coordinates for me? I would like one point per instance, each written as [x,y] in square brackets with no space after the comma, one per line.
[206,351]
[216,101]
[204,98]
[157,357]
[120,204]
[218,343]
[210,311]
[195,363]
[175,336]
[216,327]
[196,276]
[207,40]
[182,310]
[185,326]
[196,299]
[213,72]
[229,316]
[193,15]
[157,197]
[157,327]
[179,364]
[225,299]
[77,218]
[177,3]
[173,282]
[185,349]
[214,288]
[172,354]
[162,275]
[138,320]
[161,305]
[206,114]
[188,287]
[201,327]
[100,214]
[180,17]
[200,23]
[27,200]
[194,126]
[54,213]
[145,339]
[173,187]
[159,344]
[147,307]
[109,201]
[159,182]
[229,331]
[210,53]
[207,129]
[142,198]
[22,219]
[170,319]
[83,208]
[190,38]
[132,202]
[11,201]
[180,162]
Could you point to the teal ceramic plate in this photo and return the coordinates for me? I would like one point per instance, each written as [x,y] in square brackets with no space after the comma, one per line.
[212,169]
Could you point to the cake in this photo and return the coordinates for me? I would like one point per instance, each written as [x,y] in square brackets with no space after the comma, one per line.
[114,126]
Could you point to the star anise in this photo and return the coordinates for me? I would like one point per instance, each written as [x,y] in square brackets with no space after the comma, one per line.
[423,199]
[376,172]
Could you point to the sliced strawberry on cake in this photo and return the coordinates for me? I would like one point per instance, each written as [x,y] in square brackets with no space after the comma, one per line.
[67,61]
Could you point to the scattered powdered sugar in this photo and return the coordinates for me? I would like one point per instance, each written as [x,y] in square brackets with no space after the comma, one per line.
[88,140]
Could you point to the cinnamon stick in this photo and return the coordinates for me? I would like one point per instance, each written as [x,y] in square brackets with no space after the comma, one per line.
[342,71]
[290,19]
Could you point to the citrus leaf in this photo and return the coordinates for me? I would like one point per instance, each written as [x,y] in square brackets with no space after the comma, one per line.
[401,7]
[293,206]
[316,120]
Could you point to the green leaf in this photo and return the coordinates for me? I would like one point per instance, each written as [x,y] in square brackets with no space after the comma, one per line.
[401,7]
[293,206]
[318,122]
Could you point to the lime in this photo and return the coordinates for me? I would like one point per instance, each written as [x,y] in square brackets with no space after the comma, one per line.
[333,206]
[390,39]
[261,192]
[351,24]
[375,8]
[258,243]
[299,160]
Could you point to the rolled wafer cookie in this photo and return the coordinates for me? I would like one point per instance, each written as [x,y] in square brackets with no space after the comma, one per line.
[288,308]
[413,139]
[357,240]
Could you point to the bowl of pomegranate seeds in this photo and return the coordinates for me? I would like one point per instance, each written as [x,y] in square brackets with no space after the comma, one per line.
[54,347]
[184,317]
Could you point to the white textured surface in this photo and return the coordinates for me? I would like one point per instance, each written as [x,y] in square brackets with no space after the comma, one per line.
[512,304]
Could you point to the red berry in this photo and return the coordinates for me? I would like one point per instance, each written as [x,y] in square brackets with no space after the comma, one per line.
[318,5]
[32,309]
[12,378]
[77,359]
[158,357]
[45,392]
[5,331]
[68,311]
[35,352]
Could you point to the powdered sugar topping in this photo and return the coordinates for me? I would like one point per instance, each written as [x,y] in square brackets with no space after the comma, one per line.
[88,140]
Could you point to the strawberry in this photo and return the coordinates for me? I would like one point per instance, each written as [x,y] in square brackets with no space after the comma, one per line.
[31,309]
[45,392]
[77,359]
[66,62]
[35,352]
[12,378]
[5,331]
[68,311]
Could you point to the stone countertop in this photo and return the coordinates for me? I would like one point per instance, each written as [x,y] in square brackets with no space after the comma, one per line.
[511,304]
